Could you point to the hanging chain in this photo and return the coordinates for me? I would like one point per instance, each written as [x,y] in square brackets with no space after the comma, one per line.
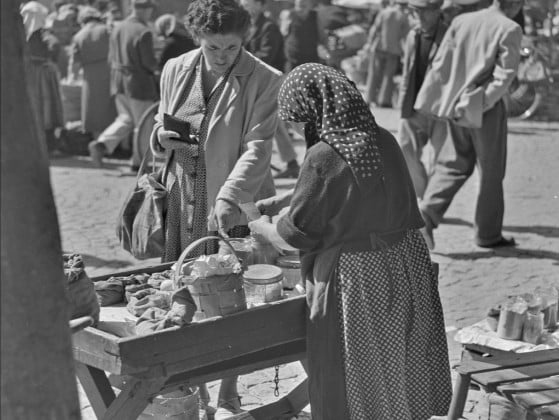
[276,382]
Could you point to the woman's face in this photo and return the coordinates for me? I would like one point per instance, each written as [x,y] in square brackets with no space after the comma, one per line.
[220,51]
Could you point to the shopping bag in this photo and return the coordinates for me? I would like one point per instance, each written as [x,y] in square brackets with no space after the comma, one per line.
[141,221]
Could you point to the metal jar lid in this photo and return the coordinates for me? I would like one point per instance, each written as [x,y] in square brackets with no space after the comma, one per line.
[289,261]
[263,274]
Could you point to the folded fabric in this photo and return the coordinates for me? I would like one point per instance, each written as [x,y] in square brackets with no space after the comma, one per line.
[148,298]
[133,288]
[109,292]
[156,318]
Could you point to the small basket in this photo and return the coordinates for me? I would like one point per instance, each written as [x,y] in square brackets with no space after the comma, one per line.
[214,295]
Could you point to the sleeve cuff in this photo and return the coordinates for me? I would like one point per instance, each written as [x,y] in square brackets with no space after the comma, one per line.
[292,235]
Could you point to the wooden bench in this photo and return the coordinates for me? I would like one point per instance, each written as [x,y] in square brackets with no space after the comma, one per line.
[162,361]
[530,380]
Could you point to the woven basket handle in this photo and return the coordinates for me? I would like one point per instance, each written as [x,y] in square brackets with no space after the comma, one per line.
[189,249]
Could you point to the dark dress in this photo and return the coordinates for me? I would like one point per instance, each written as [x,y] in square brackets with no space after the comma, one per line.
[266,42]
[90,48]
[43,79]
[376,344]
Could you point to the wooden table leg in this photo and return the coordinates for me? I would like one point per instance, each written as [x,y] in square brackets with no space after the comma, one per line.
[459,397]
[96,387]
[133,398]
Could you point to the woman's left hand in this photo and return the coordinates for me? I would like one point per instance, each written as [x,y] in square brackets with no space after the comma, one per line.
[260,226]
[227,216]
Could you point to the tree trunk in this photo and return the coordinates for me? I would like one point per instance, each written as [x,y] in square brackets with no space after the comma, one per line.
[37,373]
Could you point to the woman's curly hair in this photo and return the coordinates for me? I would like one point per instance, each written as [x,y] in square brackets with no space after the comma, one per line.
[216,17]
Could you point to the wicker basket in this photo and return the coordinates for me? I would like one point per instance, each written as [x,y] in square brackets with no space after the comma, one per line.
[214,295]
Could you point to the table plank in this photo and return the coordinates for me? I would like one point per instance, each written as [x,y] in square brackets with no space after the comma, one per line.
[531,400]
[513,360]
[493,378]
[205,343]
[538,384]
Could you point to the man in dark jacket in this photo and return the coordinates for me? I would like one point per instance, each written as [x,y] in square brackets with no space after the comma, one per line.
[416,129]
[133,63]
[265,41]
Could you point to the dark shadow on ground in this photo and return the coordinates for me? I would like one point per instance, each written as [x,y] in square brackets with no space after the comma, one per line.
[85,162]
[532,132]
[545,231]
[96,262]
[512,252]
[455,221]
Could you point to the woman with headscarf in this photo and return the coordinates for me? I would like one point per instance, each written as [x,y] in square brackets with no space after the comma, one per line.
[376,344]
[176,39]
[90,50]
[42,74]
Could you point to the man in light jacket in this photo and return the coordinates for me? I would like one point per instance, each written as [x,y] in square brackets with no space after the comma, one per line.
[477,60]
[416,130]
[133,83]
[386,38]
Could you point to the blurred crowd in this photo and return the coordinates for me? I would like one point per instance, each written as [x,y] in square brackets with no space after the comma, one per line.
[70,48]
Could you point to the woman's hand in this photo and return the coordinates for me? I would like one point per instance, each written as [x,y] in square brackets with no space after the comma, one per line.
[261,226]
[272,205]
[227,216]
[166,140]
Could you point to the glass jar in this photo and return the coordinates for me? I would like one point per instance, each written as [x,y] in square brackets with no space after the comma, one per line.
[263,252]
[262,283]
[242,247]
[511,319]
[291,267]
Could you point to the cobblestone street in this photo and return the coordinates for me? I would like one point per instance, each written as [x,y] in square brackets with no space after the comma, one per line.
[472,279]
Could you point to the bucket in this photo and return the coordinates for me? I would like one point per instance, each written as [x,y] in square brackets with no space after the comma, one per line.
[175,405]
[263,283]
[214,295]
[291,267]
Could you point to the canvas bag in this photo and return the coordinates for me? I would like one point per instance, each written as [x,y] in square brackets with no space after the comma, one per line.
[141,221]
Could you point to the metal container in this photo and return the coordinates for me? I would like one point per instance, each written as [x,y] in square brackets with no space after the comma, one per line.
[291,267]
[263,283]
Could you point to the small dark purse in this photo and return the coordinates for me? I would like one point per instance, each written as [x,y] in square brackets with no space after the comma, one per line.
[141,222]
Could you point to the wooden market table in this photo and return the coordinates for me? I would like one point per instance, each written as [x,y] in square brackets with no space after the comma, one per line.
[530,380]
[162,361]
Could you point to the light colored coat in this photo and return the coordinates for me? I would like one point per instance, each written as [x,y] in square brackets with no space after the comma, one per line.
[238,147]
[389,31]
[476,62]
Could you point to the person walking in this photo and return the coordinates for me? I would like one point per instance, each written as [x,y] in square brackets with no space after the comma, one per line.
[42,74]
[265,41]
[476,62]
[90,51]
[133,66]
[376,344]
[417,130]
[299,27]
[386,39]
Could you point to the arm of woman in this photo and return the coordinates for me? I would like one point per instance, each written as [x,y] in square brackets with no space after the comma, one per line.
[253,165]
[166,83]
[321,190]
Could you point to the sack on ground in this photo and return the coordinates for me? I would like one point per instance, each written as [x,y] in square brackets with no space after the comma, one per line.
[83,301]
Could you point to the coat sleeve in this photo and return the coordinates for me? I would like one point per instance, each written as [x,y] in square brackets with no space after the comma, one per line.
[167,81]
[505,68]
[253,165]
[321,190]
[146,52]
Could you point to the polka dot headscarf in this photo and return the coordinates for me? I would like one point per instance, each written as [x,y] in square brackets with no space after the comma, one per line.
[334,112]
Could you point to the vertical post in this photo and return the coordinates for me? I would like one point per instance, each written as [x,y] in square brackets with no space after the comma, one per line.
[37,375]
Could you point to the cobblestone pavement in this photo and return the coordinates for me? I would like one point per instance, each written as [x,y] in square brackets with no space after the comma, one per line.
[472,279]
